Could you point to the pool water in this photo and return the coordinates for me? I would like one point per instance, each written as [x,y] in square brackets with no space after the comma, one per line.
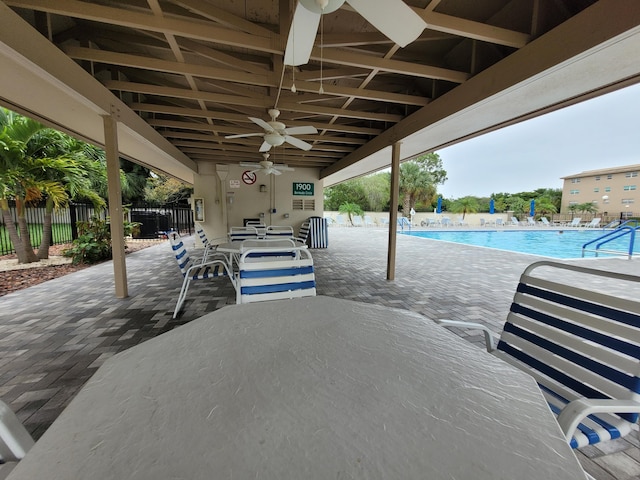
[550,243]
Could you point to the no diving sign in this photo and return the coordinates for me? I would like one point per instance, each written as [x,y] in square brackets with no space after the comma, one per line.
[249,177]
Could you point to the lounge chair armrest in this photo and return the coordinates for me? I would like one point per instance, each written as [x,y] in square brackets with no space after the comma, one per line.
[489,338]
[212,262]
[573,413]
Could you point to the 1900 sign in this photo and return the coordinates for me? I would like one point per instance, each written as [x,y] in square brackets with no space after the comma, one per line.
[303,188]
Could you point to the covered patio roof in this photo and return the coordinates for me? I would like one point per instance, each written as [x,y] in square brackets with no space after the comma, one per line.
[179,76]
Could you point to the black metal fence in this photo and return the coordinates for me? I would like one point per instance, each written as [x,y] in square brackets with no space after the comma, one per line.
[154,222]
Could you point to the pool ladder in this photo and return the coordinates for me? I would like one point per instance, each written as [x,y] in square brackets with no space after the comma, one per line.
[621,231]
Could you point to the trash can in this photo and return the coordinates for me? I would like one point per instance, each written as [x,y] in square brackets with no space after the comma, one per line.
[318,232]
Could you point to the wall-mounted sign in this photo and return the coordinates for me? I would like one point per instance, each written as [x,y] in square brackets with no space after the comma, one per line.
[234,183]
[249,177]
[304,189]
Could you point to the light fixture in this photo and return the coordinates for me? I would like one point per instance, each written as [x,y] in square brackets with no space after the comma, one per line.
[274,139]
[263,188]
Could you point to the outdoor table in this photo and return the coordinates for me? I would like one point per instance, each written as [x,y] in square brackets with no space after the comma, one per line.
[311,388]
[233,250]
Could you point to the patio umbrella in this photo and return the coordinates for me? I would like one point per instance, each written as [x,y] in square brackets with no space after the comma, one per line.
[492,207]
[439,207]
[532,208]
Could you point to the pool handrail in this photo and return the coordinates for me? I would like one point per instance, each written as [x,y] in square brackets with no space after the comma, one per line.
[610,236]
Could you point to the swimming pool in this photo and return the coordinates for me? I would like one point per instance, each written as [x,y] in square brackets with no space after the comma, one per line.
[548,243]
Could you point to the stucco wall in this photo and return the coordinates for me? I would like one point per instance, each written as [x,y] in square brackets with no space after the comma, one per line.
[230,199]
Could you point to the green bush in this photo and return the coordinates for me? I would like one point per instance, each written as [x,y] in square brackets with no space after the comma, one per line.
[93,243]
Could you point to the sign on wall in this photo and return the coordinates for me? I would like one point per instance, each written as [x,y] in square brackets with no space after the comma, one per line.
[304,189]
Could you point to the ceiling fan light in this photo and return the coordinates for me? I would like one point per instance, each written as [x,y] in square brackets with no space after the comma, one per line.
[274,139]
[316,6]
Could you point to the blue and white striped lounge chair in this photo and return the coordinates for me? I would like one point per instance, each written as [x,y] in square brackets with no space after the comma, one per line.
[208,245]
[238,234]
[283,274]
[276,231]
[581,346]
[15,441]
[192,270]
[303,233]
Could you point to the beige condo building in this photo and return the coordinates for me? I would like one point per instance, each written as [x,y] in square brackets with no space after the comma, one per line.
[614,191]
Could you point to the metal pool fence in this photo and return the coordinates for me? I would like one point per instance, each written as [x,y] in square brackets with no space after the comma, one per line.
[154,221]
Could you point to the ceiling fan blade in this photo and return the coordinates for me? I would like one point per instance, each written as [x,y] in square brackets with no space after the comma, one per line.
[296,142]
[244,135]
[251,165]
[265,147]
[261,123]
[284,168]
[304,130]
[302,36]
[394,18]
[257,170]
[274,171]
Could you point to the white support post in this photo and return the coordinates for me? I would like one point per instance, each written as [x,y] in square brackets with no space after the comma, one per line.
[115,203]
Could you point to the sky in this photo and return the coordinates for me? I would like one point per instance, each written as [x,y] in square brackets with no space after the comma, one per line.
[599,133]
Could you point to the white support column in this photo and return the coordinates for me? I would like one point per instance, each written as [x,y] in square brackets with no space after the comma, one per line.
[115,203]
[393,210]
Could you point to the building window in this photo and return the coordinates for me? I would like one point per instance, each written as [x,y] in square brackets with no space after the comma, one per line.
[598,178]
[575,180]
[629,187]
[574,192]
[596,190]
[627,200]
[631,174]
[609,177]
[607,189]
[573,203]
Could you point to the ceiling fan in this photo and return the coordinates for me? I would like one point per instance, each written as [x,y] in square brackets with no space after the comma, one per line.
[267,167]
[394,18]
[276,133]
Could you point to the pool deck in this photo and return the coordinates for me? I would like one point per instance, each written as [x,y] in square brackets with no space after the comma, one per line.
[54,336]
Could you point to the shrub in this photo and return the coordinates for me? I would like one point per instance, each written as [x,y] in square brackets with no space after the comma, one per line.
[93,244]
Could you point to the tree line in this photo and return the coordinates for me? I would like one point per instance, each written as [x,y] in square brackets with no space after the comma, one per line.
[418,181]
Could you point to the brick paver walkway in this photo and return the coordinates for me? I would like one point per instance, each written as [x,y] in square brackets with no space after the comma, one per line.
[55,335]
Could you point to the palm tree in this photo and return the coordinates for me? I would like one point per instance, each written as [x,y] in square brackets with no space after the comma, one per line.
[350,209]
[37,163]
[416,185]
[465,205]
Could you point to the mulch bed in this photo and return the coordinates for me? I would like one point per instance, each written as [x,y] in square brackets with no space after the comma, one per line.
[14,280]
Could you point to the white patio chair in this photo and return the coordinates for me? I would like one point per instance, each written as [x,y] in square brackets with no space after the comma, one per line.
[531,222]
[357,221]
[368,221]
[192,270]
[303,233]
[275,274]
[238,234]
[15,441]
[279,231]
[581,346]
[595,223]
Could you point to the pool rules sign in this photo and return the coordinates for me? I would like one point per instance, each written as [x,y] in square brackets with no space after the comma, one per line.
[304,189]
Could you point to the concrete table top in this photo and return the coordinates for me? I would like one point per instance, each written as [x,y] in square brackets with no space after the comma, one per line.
[311,388]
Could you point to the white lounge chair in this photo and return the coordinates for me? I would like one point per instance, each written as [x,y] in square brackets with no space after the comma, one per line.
[515,222]
[357,221]
[595,223]
[340,221]
[581,347]
[194,270]
[278,231]
[531,222]
[368,221]
[545,221]
[275,274]
[238,234]
[574,223]
[15,441]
